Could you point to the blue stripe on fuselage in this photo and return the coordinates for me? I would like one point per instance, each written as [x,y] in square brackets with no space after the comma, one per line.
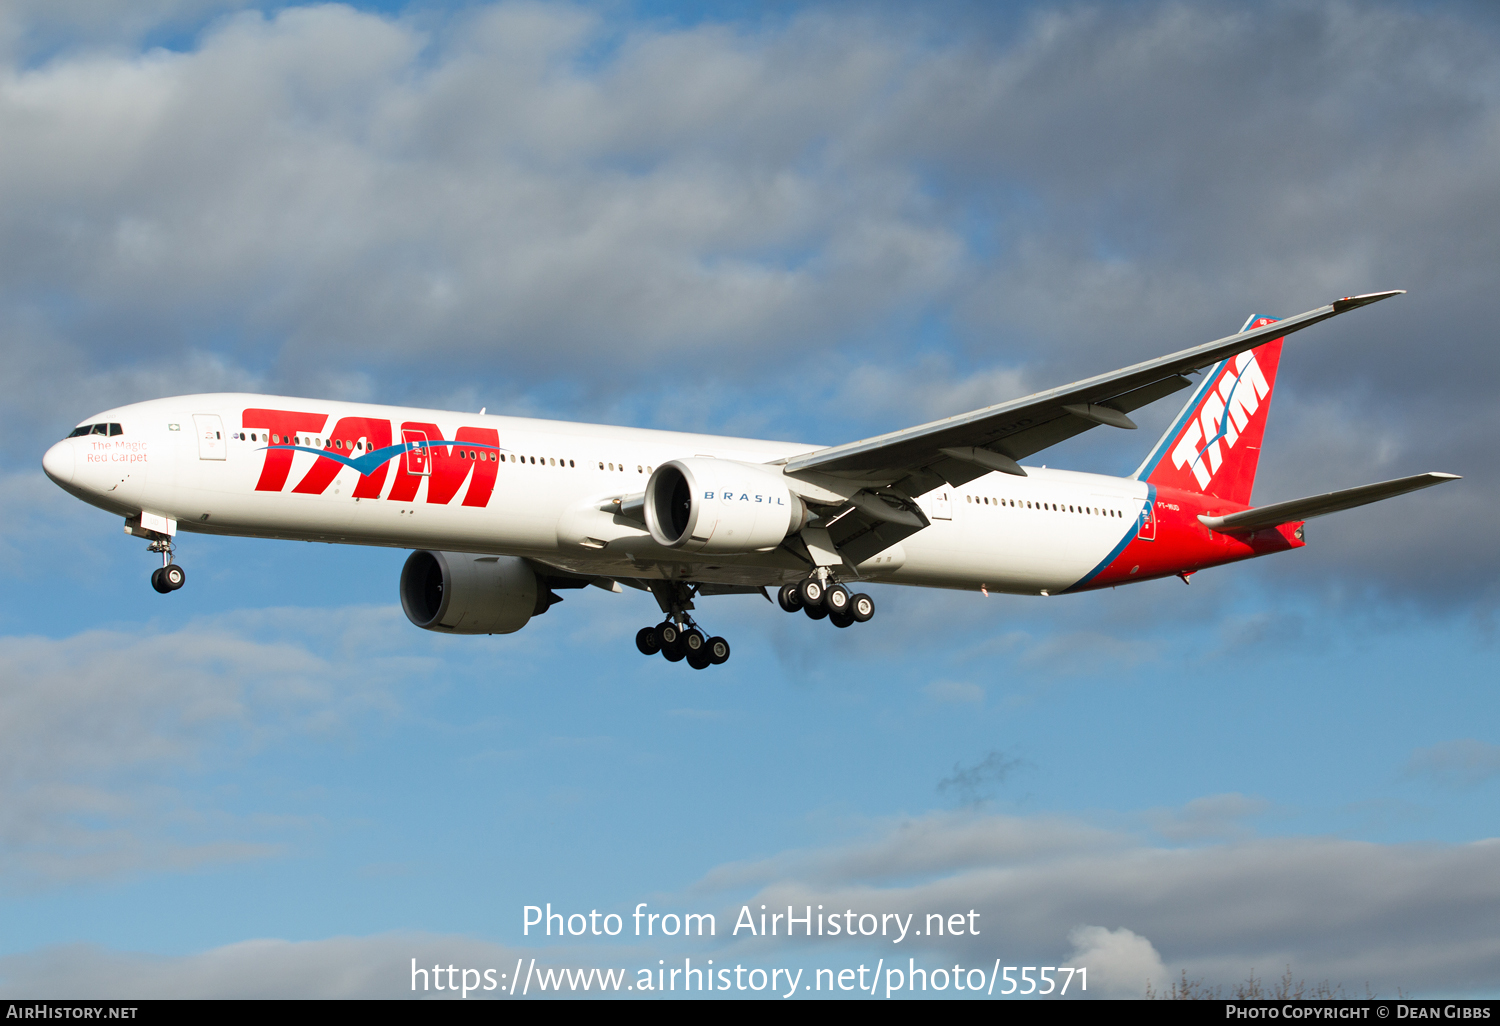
[1114,554]
[372,461]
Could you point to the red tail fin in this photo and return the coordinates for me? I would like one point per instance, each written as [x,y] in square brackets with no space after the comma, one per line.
[1213,446]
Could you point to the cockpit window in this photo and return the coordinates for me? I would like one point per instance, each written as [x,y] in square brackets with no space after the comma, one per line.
[109,430]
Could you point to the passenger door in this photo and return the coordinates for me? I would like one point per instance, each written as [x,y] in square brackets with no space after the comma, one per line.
[210,436]
[416,460]
[938,505]
[1147,531]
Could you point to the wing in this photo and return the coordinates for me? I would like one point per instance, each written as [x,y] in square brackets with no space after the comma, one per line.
[1317,505]
[958,449]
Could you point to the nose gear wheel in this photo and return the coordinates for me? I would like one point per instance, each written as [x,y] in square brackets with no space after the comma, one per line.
[168,577]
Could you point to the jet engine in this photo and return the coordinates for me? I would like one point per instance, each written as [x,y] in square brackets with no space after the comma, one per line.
[463,593]
[709,505]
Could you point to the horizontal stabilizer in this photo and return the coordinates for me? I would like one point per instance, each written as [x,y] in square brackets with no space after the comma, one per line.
[1317,505]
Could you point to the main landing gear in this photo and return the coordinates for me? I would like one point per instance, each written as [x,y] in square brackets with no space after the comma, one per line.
[819,596]
[679,642]
[677,637]
[169,576]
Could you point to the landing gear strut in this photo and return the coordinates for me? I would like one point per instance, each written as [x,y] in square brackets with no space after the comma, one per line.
[820,597]
[678,637]
[169,576]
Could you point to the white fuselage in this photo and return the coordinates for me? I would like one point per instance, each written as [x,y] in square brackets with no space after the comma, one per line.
[553,482]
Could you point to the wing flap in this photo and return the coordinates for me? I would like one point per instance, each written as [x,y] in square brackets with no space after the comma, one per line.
[1317,505]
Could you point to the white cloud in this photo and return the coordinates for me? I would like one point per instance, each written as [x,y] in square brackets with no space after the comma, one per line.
[1117,961]
[99,726]
[306,170]
[1212,816]
[1416,917]
[337,967]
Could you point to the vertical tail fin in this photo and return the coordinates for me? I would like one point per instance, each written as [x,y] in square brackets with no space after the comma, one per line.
[1213,446]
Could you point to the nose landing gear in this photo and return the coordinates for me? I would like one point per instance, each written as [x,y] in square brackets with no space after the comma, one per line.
[169,576]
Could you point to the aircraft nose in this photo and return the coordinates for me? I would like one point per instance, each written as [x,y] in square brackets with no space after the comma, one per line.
[58,463]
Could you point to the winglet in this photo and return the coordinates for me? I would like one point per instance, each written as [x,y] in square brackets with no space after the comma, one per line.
[1351,302]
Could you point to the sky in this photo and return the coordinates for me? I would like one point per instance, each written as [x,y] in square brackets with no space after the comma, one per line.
[793,221]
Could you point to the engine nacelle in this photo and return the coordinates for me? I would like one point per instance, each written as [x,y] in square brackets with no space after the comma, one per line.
[709,505]
[463,593]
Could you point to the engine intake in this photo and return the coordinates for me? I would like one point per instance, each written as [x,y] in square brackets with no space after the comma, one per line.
[463,593]
[709,505]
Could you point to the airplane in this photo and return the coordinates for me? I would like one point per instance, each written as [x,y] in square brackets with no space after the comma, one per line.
[503,512]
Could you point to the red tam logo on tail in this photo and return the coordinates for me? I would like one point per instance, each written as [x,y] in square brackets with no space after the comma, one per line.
[1214,445]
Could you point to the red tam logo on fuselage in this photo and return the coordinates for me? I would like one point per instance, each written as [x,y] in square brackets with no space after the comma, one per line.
[364,444]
